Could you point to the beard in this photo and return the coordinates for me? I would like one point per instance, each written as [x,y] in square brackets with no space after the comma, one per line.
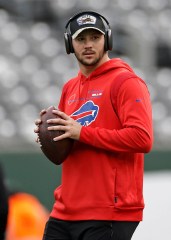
[93,62]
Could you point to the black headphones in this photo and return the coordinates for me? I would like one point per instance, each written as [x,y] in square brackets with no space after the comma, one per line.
[68,38]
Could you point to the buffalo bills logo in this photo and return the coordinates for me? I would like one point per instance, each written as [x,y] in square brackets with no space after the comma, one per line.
[86,19]
[86,114]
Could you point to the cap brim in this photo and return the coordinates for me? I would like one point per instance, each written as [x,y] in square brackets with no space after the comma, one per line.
[82,29]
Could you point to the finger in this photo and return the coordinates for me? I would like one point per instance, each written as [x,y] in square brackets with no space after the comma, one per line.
[42,112]
[53,107]
[61,114]
[37,140]
[38,121]
[61,137]
[58,128]
[36,130]
[59,121]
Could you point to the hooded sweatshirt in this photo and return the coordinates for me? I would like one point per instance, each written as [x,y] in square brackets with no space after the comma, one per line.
[102,178]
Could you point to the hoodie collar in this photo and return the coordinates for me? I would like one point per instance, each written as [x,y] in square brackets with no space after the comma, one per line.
[105,67]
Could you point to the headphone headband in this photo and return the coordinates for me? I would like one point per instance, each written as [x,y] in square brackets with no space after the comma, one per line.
[86,12]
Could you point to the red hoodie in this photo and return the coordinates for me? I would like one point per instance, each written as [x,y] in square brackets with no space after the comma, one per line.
[102,178]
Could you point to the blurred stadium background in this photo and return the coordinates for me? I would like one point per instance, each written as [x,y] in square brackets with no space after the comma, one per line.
[34,67]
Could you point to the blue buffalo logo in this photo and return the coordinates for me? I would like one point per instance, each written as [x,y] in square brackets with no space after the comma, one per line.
[86,114]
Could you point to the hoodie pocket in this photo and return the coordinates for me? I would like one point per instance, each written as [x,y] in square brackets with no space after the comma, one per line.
[127,195]
[57,193]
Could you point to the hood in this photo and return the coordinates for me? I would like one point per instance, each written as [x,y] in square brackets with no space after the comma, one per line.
[106,67]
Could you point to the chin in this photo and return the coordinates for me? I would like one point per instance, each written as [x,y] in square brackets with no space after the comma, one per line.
[90,62]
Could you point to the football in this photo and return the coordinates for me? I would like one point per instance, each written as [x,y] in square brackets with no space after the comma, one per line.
[55,151]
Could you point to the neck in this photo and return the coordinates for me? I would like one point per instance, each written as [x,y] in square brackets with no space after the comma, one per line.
[87,70]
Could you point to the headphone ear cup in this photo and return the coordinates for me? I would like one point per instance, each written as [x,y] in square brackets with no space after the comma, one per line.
[68,43]
[108,40]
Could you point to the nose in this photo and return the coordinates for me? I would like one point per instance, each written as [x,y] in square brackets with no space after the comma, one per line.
[88,43]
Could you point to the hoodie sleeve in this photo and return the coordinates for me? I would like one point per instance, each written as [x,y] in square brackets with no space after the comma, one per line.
[135,114]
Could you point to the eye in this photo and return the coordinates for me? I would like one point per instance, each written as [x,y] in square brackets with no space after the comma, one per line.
[80,38]
[96,37]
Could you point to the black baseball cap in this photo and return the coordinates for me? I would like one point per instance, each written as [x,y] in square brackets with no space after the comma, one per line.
[86,21]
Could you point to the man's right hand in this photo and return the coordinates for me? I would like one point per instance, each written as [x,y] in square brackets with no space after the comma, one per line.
[37,123]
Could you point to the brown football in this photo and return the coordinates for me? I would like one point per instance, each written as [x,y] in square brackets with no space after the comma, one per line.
[55,151]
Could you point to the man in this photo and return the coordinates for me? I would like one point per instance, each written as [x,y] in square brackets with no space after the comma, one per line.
[3,205]
[26,218]
[106,109]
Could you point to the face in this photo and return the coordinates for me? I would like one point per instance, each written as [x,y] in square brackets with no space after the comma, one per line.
[89,47]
